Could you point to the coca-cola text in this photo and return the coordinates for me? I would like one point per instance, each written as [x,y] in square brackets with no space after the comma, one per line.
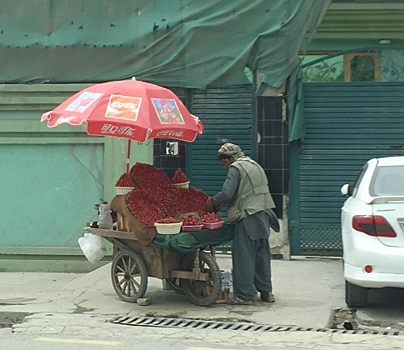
[172,133]
[117,130]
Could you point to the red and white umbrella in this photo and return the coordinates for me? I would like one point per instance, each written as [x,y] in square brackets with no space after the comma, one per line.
[130,109]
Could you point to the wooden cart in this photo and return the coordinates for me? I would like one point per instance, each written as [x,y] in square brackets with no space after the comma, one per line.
[196,274]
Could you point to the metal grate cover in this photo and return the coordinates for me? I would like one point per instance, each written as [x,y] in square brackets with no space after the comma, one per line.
[163,322]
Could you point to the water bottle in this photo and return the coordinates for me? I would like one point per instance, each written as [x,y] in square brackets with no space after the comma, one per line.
[104,217]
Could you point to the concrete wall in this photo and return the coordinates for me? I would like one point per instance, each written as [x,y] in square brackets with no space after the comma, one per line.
[51,179]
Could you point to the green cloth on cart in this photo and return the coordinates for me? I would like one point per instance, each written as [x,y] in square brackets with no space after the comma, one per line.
[188,242]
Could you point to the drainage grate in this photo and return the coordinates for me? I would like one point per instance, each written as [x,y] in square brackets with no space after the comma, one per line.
[203,324]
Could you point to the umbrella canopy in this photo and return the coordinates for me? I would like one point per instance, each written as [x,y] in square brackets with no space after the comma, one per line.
[130,109]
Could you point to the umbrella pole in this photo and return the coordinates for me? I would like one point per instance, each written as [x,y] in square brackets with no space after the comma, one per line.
[127,160]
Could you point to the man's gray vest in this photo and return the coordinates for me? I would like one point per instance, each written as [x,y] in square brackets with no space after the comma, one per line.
[253,192]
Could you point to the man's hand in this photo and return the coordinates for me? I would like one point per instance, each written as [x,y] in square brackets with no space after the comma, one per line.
[209,205]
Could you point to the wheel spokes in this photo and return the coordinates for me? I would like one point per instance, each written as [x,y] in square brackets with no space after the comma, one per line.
[120,268]
[132,268]
[125,286]
[130,288]
[202,289]
[129,268]
[125,266]
[119,283]
[134,282]
[133,285]
[126,272]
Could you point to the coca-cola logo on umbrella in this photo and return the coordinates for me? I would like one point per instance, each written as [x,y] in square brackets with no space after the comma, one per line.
[117,130]
[170,133]
[123,107]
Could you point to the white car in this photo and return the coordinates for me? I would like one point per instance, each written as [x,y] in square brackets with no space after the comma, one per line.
[372,225]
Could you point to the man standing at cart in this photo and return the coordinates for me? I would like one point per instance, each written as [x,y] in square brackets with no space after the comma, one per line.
[246,194]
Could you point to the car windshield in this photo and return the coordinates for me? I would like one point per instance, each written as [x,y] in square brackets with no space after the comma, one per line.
[387,181]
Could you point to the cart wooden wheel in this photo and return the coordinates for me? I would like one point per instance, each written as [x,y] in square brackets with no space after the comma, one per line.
[202,293]
[129,275]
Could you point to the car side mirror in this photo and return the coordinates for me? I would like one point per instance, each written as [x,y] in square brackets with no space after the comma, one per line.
[346,190]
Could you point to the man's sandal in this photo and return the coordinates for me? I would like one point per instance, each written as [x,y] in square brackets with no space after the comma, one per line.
[268,299]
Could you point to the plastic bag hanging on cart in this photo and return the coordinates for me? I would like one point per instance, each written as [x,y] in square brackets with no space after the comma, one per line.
[92,247]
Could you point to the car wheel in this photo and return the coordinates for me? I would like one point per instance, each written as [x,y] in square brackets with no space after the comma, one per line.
[355,296]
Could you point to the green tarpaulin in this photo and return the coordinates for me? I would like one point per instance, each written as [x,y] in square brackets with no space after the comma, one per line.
[188,242]
[181,43]
[175,43]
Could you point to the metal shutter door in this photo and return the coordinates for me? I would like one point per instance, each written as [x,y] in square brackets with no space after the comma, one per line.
[227,116]
[346,124]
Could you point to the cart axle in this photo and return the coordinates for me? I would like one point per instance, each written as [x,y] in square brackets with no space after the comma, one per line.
[188,275]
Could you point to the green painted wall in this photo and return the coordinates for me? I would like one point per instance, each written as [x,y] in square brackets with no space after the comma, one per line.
[51,179]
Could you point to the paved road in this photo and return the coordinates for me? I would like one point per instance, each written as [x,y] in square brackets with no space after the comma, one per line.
[86,332]
[307,293]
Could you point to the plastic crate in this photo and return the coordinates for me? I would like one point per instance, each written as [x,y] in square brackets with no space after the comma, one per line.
[182,185]
[213,225]
[168,229]
[123,190]
[191,228]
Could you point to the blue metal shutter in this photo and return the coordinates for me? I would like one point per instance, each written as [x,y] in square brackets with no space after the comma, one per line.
[227,117]
[346,124]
